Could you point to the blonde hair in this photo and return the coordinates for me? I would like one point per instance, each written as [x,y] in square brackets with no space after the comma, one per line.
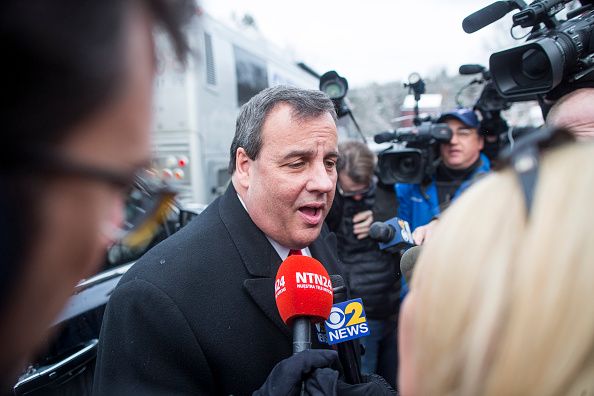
[504,302]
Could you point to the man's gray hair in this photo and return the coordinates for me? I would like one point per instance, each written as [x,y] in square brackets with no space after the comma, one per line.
[305,103]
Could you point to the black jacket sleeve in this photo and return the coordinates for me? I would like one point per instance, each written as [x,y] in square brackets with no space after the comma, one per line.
[146,346]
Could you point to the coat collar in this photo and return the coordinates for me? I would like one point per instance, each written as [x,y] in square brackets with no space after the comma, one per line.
[250,241]
[259,257]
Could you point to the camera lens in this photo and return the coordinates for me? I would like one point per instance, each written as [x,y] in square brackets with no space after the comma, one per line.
[406,166]
[333,90]
[535,64]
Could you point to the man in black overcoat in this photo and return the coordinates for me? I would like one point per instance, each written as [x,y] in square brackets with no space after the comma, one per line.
[197,315]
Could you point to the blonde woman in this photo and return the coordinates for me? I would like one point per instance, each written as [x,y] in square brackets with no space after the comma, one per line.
[502,301]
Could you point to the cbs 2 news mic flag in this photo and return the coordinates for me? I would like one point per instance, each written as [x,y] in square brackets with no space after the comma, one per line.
[347,321]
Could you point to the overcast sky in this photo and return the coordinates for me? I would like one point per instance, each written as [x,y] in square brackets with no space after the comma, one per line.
[371,41]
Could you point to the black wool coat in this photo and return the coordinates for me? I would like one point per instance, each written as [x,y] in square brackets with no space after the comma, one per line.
[196,314]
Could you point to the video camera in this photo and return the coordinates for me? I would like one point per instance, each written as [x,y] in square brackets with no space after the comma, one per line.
[490,104]
[414,158]
[558,54]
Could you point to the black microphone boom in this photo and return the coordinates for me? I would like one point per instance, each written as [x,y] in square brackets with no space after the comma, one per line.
[486,16]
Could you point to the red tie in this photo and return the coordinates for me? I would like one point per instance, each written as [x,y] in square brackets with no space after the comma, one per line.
[294,252]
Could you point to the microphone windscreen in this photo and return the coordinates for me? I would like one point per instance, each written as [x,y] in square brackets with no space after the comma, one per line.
[303,288]
[408,260]
[381,232]
[383,137]
[338,288]
[486,16]
[471,69]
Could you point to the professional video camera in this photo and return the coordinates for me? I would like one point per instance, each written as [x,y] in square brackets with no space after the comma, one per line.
[489,104]
[414,158]
[558,54]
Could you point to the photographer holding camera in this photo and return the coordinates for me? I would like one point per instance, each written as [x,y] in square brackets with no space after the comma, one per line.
[461,163]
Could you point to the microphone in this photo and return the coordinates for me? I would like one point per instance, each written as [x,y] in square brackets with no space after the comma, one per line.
[381,232]
[303,294]
[408,261]
[393,233]
[471,69]
[486,16]
[383,137]
[338,288]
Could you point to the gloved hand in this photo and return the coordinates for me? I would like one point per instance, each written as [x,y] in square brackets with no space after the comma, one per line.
[372,385]
[310,366]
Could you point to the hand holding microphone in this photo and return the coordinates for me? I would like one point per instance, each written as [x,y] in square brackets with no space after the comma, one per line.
[304,295]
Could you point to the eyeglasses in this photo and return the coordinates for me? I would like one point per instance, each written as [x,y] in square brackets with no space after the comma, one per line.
[464,132]
[348,194]
[147,202]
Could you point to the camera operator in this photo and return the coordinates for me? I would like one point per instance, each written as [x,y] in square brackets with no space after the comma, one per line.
[574,112]
[461,163]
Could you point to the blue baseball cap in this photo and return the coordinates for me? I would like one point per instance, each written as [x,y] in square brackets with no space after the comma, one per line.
[466,116]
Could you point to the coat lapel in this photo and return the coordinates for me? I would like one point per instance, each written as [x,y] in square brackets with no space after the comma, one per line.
[259,257]
[254,248]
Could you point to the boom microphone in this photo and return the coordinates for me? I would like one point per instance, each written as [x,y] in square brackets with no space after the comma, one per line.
[408,261]
[486,16]
[303,294]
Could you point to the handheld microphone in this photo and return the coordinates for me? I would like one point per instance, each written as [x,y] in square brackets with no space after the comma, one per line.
[408,261]
[303,294]
[381,232]
[486,16]
[393,233]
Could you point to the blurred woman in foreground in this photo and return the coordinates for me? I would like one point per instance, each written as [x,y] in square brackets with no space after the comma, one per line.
[502,299]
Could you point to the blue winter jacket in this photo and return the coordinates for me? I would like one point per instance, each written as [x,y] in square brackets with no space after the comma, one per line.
[418,208]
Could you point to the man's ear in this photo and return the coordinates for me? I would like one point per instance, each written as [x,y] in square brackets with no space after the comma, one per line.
[481,142]
[243,165]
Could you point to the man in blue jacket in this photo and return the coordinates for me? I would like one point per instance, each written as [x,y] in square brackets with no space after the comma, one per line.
[461,164]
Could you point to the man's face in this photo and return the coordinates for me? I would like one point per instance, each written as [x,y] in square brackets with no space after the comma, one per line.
[73,211]
[289,188]
[464,148]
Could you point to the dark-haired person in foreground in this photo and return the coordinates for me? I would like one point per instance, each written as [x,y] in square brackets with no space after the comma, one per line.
[197,315]
[76,105]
